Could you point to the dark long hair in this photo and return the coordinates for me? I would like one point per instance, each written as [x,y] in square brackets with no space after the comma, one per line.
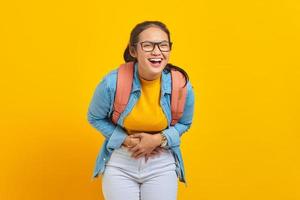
[134,38]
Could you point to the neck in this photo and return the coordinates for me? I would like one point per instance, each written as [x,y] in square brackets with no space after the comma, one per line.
[149,78]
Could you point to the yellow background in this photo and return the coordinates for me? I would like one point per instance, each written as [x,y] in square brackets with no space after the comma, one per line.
[243,61]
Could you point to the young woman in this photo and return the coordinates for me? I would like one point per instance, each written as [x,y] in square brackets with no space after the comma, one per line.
[141,156]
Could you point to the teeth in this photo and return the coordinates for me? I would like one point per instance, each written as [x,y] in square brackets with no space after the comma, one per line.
[155,59]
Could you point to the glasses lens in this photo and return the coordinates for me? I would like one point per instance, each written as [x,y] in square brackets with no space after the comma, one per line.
[147,46]
[164,46]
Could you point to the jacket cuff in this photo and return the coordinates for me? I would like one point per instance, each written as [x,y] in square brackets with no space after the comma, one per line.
[116,139]
[172,136]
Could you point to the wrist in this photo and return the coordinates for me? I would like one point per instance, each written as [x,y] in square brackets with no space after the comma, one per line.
[163,140]
[160,139]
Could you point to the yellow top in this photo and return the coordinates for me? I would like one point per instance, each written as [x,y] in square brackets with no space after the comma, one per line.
[147,114]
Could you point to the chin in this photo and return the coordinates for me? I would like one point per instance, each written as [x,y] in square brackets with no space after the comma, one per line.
[157,70]
[152,69]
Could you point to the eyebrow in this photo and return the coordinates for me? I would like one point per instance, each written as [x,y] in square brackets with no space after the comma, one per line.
[155,42]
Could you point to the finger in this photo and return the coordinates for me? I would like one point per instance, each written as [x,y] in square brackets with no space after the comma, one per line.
[136,140]
[135,148]
[160,149]
[146,158]
[158,152]
[155,153]
[138,154]
[136,135]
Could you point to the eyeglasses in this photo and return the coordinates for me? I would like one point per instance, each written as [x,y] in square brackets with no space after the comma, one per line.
[163,46]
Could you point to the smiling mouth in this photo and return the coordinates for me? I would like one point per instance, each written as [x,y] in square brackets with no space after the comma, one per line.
[155,61]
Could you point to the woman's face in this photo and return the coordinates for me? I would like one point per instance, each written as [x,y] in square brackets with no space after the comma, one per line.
[151,63]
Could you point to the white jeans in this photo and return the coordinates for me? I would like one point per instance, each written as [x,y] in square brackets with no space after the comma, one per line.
[127,178]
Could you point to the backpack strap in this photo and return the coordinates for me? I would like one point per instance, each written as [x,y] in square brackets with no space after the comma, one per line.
[123,89]
[178,96]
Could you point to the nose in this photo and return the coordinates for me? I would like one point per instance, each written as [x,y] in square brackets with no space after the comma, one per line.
[156,50]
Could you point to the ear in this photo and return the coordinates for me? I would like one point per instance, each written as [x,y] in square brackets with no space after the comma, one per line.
[132,52]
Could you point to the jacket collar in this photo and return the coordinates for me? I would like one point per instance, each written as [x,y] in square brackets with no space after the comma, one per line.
[165,83]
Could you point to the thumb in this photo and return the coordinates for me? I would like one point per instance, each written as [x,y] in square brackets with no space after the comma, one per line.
[136,135]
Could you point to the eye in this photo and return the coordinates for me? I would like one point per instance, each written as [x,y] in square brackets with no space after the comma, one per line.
[164,44]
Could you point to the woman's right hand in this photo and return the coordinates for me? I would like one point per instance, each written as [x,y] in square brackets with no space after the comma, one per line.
[130,141]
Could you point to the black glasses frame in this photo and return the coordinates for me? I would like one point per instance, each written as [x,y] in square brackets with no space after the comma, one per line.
[154,44]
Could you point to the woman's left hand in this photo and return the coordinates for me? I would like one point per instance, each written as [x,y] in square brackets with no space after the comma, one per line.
[148,142]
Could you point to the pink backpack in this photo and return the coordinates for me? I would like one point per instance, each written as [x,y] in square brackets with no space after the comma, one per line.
[124,84]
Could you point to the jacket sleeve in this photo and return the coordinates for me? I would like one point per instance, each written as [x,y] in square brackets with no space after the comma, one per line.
[173,133]
[98,116]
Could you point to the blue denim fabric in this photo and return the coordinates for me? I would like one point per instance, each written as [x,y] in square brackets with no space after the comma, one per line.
[101,107]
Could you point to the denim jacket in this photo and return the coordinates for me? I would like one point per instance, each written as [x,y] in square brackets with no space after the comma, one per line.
[101,107]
